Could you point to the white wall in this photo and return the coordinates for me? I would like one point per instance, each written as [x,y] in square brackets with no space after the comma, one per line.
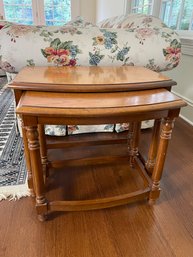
[183,75]
[109,8]
[84,8]
[88,10]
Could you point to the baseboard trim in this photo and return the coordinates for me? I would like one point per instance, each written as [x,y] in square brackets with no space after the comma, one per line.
[189,101]
[190,104]
[186,119]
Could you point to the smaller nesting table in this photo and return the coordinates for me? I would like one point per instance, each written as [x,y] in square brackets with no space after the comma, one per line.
[85,108]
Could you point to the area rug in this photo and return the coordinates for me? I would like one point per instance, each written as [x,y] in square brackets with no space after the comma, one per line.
[13,173]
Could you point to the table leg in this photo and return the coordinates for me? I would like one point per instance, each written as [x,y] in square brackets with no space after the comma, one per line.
[43,149]
[34,149]
[133,140]
[165,136]
[153,147]
[28,162]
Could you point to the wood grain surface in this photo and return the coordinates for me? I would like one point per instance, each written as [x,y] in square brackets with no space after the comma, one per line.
[89,79]
[88,75]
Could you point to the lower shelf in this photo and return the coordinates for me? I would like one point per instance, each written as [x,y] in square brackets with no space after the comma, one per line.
[98,203]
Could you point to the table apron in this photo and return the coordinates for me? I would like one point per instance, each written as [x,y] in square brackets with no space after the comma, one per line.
[43,120]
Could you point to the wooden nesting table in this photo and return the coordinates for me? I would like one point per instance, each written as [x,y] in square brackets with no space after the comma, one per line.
[95,95]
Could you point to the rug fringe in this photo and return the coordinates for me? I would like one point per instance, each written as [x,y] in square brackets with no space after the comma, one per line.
[14,193]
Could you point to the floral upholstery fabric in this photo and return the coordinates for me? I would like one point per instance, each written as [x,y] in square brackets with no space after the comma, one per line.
[2,24]
[145,42]
[136,40]
[80,22]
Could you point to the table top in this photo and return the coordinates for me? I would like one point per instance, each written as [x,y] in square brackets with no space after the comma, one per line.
[51,104]
[89,79]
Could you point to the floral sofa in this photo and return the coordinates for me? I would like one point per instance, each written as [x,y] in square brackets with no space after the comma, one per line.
[123,40]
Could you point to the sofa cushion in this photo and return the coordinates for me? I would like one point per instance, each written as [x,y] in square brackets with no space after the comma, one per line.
[58,130]
[21,45]
[132,21]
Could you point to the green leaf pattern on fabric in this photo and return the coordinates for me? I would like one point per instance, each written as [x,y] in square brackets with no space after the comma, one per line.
[108,42]
[30,63]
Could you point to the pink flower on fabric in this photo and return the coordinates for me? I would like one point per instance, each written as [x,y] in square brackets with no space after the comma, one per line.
[49,50]
[61,53]
[19,30]
[62,59]
[72,128]
[145,33]
[124,126]
[172,52]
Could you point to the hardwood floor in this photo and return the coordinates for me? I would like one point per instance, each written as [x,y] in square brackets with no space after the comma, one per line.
[135,230]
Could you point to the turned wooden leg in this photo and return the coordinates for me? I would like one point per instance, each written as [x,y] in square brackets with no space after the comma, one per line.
[34,149]
[165,136]
[28,162]
[153,147]
[133,141]
[43,149]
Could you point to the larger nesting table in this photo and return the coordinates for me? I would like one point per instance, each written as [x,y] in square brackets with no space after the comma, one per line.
[93,95]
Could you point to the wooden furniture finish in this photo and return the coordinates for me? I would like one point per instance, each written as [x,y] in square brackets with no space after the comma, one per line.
[89,79]
[84,79]
[39,108]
